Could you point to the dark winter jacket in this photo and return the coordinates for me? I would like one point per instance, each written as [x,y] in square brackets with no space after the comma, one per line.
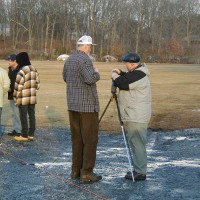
[12,76]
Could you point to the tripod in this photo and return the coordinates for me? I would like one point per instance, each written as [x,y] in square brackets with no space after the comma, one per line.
[114,97]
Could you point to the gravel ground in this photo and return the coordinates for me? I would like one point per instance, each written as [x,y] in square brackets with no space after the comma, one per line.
[39,170]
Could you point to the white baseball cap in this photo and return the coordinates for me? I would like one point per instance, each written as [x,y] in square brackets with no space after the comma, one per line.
[85,40]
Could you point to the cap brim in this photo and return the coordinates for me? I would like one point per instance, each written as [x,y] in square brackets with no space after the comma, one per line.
[86,43]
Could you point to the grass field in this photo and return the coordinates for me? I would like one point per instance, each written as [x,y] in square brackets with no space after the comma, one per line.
[175,96]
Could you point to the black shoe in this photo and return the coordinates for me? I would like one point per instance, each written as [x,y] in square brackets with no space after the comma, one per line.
[134,172]
[129,175]
[137,176]
[14,133]
[90,178]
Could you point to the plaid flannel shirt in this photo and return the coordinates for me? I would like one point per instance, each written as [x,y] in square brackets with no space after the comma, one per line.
[81,78]
[26,85]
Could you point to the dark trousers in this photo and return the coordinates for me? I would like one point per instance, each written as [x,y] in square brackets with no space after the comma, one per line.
[84,128]
[28,126]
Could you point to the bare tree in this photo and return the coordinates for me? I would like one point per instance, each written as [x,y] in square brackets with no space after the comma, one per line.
[145,26]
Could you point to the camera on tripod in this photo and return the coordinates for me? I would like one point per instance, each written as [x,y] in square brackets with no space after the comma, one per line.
[113,89]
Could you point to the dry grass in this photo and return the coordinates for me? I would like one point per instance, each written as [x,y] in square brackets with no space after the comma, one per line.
[175,96]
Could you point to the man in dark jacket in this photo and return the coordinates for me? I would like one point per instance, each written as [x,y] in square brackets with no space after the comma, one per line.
[12,73]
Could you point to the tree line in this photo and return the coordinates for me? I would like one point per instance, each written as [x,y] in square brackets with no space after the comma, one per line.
[163,30]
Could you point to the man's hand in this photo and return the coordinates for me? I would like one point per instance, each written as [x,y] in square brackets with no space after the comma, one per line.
[118,71]
[96,69]
[115,73]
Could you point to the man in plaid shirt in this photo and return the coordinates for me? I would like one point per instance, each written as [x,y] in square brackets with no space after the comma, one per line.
[83,106]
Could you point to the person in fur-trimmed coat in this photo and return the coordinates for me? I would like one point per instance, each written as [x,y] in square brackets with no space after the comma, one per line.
[26,85]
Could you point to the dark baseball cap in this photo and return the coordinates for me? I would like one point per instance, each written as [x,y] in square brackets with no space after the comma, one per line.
[11,57]
[131,57]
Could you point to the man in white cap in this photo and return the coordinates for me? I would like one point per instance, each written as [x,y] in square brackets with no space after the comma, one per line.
[83,107]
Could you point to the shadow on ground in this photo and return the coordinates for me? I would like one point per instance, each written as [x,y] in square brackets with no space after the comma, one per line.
[40,169]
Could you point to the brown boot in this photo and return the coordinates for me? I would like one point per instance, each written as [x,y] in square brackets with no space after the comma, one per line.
[75,175]
[91,177]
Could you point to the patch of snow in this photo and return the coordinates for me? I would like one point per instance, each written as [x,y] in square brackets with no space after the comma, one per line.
[51,164]
[180,163]
[196,110]
[180,138]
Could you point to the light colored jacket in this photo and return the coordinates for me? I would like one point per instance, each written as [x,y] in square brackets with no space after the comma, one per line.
[135,102]
[4,84]
[26,85]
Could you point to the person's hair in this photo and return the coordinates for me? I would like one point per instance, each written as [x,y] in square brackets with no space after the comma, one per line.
[23,59]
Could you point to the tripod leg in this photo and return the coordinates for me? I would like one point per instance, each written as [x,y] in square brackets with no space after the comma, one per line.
[105,109]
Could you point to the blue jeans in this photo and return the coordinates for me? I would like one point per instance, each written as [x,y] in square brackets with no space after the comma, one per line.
[15,117]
